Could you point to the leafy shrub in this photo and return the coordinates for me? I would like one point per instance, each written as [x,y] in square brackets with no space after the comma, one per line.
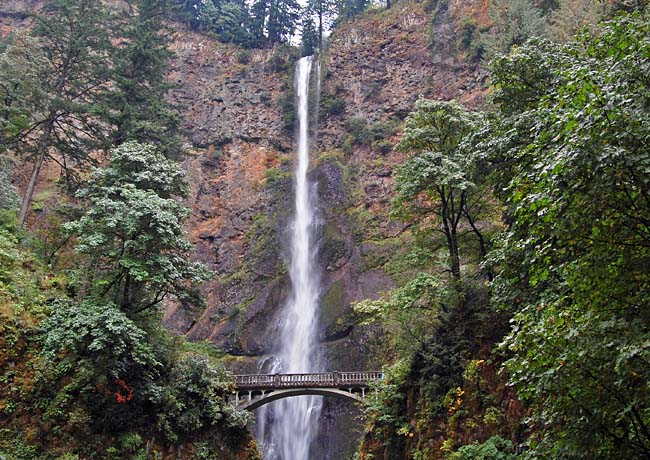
[100,333]
[9,256]
[331,105]
[495,448]
[193,400]
[468,38]
[364,134]
[244,57]
[382,146]
[359,131]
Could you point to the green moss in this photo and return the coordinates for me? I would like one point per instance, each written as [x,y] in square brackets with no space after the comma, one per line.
[263,246]
[276,174]
[333,156]
[332,304]
[335,313]
[365,223]
[333,246]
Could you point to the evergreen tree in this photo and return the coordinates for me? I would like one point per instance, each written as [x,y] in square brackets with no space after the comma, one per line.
[136,103]
[259,12]
[325,13]
[208,16]
[309,37]
[515,21]
[189,12]
[232,24]
[274,21]
[346,9]
[573,15]
[63,89]
[283,20]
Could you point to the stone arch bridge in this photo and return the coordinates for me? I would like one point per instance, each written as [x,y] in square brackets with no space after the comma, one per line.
[255,390]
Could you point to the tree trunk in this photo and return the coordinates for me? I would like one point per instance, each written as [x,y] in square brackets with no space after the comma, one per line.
[29,192]
[454,256]
[42,153]
[450,223]
[320,27]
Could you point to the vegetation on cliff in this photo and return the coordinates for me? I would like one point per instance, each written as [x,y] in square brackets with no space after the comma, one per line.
[565,155]
[518,246]
[87,369]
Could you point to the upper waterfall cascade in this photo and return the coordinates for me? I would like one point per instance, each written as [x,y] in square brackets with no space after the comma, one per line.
[295,420]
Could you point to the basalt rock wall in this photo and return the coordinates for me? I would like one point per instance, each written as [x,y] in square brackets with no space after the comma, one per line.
[237,108]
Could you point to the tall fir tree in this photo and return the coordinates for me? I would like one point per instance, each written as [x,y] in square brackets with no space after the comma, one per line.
[68,74]
[346,9]
[324,11]
[137,107]
[283,20]
[274,21]
[309,36]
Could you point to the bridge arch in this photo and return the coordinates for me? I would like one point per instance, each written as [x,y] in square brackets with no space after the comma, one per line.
[274,395]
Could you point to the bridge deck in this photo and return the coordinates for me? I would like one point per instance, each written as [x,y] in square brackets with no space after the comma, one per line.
[316,379]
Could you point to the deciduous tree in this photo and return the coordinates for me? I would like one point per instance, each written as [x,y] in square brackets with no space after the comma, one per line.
[574,265]
[435,187]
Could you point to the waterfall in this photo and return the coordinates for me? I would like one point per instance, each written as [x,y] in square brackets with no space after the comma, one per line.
[287,427]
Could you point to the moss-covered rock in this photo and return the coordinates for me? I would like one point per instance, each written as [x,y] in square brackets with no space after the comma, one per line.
[335,314]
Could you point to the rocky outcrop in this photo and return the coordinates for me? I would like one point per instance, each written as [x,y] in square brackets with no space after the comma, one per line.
[232,102]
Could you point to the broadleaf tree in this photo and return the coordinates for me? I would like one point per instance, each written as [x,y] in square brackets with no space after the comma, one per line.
[573,267]
[436,189]
[132,232]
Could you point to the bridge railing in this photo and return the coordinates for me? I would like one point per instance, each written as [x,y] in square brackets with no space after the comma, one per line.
[315,379]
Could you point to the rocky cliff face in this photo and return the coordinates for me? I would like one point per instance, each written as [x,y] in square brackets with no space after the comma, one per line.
[237,109]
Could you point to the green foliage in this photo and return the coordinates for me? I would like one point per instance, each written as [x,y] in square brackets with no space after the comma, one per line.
[468,38]
[22,72]
[54,86]
[572,15]
[436,185]
[363,133]
[97,336]
[275,21]
[243,57]
[573,163]
[495,448]
[231,21]
[347,9]
[103,372]
[308,37]
[386,407]
[514,22]
[136,105]
[411,309]
[192,399]
[321,14]
[9,258]
[133,232]
[331,105]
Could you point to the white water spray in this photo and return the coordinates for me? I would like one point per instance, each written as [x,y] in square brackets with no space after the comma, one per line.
[293,422]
